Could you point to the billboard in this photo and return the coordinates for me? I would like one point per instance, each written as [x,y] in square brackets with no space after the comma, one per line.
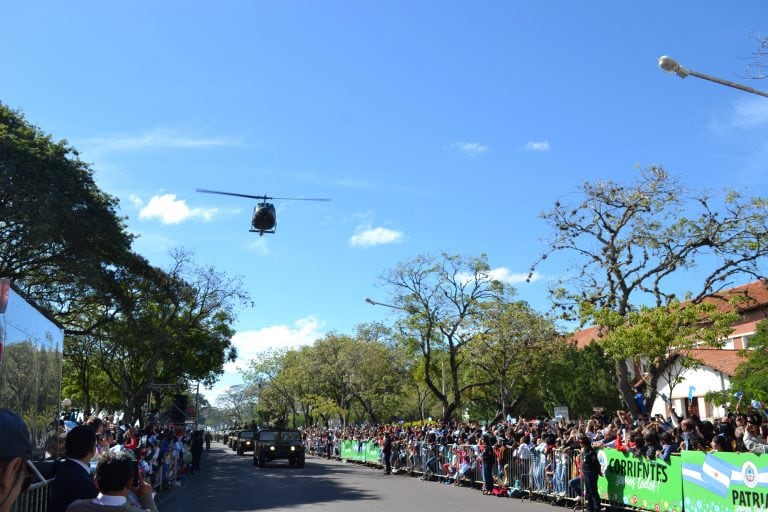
[30,371]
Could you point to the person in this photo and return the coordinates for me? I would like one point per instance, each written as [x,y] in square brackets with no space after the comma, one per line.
[386,450]
[753,440]
[208,438]
[590,471]
[329,445]
[114,479]
[15,453]
[489,460]
[73,479]
[196,449]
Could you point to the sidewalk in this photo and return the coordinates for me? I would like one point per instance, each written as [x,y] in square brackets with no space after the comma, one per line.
[184,480]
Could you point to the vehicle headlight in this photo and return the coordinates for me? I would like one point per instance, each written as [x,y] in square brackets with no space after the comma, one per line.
[293,448]
[272,448]
[248,442]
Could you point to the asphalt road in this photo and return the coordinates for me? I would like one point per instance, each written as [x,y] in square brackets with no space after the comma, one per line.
[228,482]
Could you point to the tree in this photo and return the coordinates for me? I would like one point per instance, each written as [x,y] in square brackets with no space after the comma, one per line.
[513,353]
[758,65]
[752,375]
[175,324]
[581,379]
[634,242]
[236,404]
[443,298]
[58,232]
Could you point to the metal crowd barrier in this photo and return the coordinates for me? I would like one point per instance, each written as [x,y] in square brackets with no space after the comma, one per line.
[549,476]
[35,499]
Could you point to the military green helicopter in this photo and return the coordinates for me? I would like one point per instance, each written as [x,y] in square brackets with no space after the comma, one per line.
[264,219]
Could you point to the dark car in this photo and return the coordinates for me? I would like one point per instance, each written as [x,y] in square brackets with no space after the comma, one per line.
[271,444]
[245,441]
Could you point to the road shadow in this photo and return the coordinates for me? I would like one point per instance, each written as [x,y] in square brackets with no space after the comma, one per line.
[233,483]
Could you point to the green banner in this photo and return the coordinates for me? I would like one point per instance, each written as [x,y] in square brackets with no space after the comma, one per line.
[639,482]
[724,482]
[366,451]
[372,452]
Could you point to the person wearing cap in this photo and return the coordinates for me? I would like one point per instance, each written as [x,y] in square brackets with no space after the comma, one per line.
[73,479]
[15,453]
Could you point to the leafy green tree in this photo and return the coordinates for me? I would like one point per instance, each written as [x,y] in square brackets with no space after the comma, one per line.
[580,379]
[632,243]
[443,299]
[58,232]
[752,375]
[237,404]
[175,325]
[513,353]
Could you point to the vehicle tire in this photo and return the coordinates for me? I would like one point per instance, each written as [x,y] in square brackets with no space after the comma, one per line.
[262,460]
[300,461]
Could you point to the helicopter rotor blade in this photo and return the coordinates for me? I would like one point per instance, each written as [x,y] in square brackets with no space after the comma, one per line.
[206,191]
[302,198]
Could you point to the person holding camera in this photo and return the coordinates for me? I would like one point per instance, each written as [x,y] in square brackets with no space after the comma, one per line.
[73,479]
[116,478]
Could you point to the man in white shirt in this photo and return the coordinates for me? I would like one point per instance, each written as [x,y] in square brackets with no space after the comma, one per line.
[115,481]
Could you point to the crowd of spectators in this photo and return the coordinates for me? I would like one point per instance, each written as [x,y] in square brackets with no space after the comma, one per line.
[543,454]
[159,455]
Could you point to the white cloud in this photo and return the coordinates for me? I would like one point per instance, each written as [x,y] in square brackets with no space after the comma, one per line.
[249,344]
[136,201]
[160,138]
[541,146]
[470,148]
[153,243]
[259,246]
[503,275]
[171,210]
[747,114]
[376,236]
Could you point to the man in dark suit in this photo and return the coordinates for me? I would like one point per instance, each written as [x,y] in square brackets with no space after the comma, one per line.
[73,479]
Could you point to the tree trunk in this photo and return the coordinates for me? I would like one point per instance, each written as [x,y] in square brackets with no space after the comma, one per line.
[625,387]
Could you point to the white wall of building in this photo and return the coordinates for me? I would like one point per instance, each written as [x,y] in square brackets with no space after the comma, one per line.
[704,379]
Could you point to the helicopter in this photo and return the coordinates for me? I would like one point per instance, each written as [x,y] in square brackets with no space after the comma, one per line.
[264,218]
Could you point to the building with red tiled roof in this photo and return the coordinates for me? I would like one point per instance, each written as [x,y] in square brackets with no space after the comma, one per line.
[717,365]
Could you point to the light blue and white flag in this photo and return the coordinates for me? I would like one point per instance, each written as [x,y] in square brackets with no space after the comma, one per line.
[717,473]
[691,389]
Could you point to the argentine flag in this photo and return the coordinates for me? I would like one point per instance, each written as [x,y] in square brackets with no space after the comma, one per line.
[717,473]
[713,475]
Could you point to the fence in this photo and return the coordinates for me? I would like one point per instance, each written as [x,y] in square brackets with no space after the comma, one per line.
[545,476]
[692,481]
[164,478]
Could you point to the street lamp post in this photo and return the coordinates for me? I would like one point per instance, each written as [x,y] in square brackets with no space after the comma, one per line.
[670,65]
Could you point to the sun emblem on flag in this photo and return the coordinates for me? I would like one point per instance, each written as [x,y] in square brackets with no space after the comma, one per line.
[749,472]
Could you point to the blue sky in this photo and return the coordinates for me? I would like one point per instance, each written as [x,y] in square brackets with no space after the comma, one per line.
[432,126]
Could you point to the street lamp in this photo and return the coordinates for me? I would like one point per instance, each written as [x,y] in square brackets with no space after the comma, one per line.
[376,303]
[670,65]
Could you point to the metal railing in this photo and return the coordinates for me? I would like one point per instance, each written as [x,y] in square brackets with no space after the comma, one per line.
[549,475]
